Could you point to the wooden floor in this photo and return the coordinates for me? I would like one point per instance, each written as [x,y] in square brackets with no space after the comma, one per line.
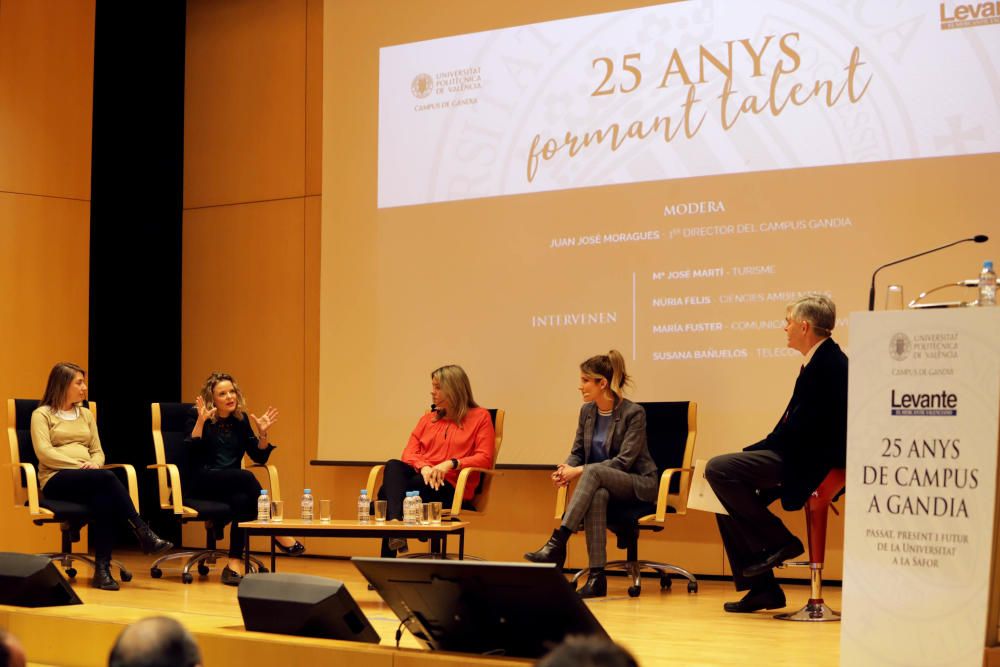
[660,628]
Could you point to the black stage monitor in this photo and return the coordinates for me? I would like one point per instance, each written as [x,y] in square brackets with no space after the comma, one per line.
[514,609]
[33,581]
[302,605]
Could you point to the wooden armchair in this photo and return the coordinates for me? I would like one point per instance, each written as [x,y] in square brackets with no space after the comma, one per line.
[671,430]
[70,516]
[479,502]
[172,459]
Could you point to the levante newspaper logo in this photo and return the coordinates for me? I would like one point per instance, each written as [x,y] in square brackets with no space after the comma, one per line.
[969,15]
[940,404]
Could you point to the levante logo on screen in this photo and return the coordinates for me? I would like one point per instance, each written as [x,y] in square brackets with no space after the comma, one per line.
[939,404]
[969,15]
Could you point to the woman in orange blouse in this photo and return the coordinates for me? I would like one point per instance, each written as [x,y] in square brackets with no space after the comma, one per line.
[455,434]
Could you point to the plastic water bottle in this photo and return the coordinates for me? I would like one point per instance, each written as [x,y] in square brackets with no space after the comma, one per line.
[364,508]
[987,285]
[263,506]
[409,516]
[307,505]
[418,507]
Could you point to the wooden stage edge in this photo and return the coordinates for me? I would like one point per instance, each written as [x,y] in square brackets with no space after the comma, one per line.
[660,627]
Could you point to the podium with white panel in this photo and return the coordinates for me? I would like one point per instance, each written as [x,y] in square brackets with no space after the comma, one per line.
[920,575]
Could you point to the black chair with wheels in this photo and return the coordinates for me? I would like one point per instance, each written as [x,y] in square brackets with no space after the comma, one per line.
[671,430]
[70,516]
[173,463]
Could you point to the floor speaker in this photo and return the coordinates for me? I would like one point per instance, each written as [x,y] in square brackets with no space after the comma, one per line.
[302,605]
[33,581]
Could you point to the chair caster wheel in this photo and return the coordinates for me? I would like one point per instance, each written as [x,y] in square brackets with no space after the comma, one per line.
[203,569]
[124,574]
[155,572]
[692,587]
[633,591]
[187,577]
[71,572]
[666,582]
[263,570]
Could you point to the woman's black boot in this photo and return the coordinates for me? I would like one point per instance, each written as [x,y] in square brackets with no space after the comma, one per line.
[553,551]
[148,540]
[102,576]
[596,586]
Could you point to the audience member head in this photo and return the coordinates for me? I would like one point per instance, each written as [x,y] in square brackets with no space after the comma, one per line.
[808,320]
[67,384]
[588,652]
[11,651]
[609,367]
[157,641]
[220,388]
[451,392]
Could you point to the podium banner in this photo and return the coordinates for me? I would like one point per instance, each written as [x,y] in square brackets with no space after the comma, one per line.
[924,392]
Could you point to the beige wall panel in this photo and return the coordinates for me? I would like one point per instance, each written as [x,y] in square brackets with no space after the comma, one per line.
[244,104]
[314,97]
[44,283]
[242,312]
[46,95]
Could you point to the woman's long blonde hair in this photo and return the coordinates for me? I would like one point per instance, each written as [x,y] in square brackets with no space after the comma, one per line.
[208,393]
[456,387]
[611,367]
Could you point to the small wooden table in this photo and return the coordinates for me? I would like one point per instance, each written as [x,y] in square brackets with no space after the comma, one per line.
[350,528]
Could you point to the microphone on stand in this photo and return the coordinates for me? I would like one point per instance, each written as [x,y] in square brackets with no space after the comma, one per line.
[978,238]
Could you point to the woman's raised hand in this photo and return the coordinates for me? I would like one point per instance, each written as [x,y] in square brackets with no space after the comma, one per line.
[265,421]
[204,413]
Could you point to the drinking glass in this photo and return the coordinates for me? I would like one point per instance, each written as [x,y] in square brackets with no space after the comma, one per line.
[435,513]
[277,511]
[324,511]
[894,297]
[381,507]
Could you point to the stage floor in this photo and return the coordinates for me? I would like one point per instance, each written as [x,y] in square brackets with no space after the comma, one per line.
[660,628]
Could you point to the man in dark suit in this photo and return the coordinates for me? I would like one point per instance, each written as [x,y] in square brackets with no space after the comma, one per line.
[808,441]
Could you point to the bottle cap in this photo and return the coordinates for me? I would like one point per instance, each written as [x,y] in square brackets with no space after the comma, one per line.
[988,264]
[307,491]
[263,492]
[364,492]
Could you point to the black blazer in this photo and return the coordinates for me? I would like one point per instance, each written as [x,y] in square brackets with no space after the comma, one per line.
[812,434]
[626,441]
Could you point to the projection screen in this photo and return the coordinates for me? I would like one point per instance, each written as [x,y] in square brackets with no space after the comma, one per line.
[514,189]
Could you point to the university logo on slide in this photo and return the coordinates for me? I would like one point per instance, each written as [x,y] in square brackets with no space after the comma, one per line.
[969,15]
[422,86]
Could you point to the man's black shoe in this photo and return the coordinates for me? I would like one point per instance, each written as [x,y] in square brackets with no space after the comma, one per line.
[771,597]
[774,559]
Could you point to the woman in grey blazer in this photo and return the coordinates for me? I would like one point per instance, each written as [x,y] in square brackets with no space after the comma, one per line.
[610,458]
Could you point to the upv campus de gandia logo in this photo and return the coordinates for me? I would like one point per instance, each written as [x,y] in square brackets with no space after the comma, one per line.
[422,85]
